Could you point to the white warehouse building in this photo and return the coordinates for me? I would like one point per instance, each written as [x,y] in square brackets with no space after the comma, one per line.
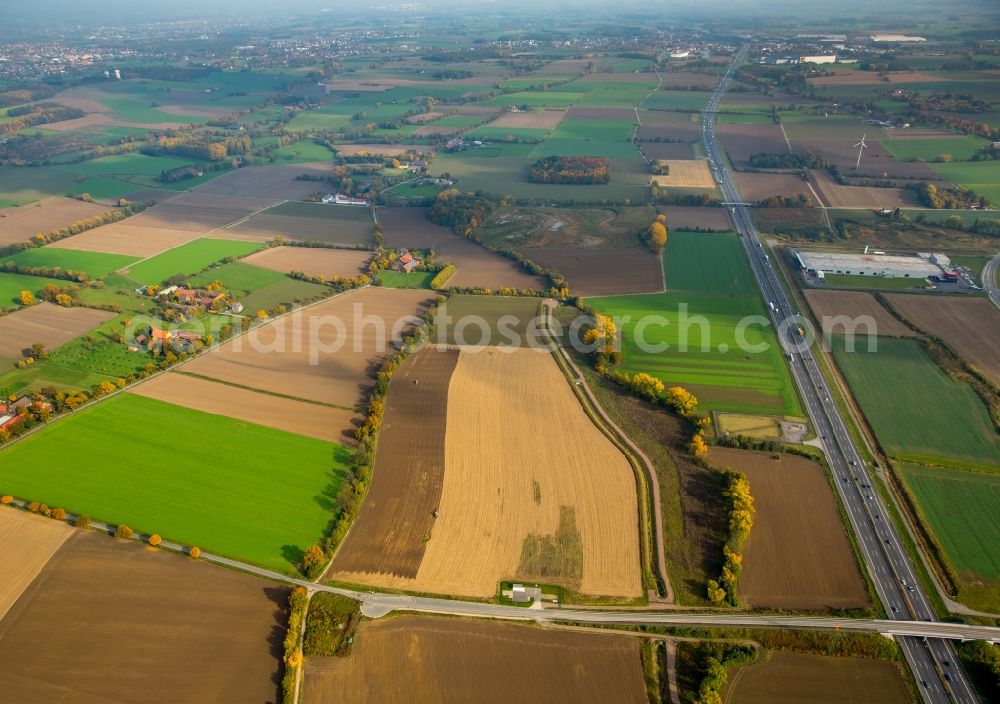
[884,265]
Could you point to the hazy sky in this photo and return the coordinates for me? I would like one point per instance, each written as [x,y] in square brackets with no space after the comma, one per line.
[886,13]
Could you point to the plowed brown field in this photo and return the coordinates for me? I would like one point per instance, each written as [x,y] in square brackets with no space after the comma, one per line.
[743,141]
[126,623]
[321,222]
[27,542]
[20,224]
[836,196]
[510,474]
[389,534]
[312,261]
[818,679]
[536,119]
[310,419]
[684,217]
[756,187]
[435,659]
[602,272]
[46,323]
[797,556]
[971,326]
[827,305]
[276,182]
[324,353]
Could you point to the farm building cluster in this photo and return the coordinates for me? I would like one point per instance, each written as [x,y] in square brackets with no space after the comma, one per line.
[13,413]
[874,263]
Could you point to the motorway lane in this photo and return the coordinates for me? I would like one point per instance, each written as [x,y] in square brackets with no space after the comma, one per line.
[891,571]
[990,279]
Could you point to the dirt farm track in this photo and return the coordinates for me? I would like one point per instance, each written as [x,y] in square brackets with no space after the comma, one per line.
[436,659]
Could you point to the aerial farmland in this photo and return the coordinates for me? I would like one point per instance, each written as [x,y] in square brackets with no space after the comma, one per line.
[472,354]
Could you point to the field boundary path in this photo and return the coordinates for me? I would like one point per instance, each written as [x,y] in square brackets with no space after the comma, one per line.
[581,383]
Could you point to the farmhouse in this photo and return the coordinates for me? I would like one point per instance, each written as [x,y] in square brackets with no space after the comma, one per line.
[921,266]
[407,263]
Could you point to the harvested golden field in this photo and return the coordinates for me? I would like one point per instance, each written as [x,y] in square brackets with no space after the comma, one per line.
[326,352]
[797,556]
[819,679]
[49,324]
[475,265]
[686,173]
[113,621]
[970,326]
[20,224]
[310,419]
[750,425]
[827,306]
[275,182]
[169,224]
[312,261]
[444,660]
[536,119]
[836,196]
[27,542]
[525,497]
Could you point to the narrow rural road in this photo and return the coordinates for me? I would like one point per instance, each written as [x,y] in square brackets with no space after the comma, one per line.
[654,482]
[375,605]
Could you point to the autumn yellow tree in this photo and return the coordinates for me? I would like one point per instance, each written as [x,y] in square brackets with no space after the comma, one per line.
[657,238]
[27,298]
[698,447]
[715,594]
[261,314]
[682,401]
[602,334]
[195,553]
[646,385]
[123,532]
[313,561]
[154,540]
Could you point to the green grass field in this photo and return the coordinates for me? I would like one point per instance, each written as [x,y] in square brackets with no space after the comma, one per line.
[286,292]
[26,185]
[962,509]
[596,130]
[473,320]
[189,258]
[134,168]
[11,286]
[983,177]
[960,148]
[705,355]
[94,264]
[239,278]
[555,99]
[707,262]
[577,147]
[918,413]
[397,279]
[303,151]
[230,487]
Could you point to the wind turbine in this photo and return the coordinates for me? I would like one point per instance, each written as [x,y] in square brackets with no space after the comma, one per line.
[862,146]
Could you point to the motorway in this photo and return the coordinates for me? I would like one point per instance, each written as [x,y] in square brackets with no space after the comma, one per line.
[990,279]
[934,662]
